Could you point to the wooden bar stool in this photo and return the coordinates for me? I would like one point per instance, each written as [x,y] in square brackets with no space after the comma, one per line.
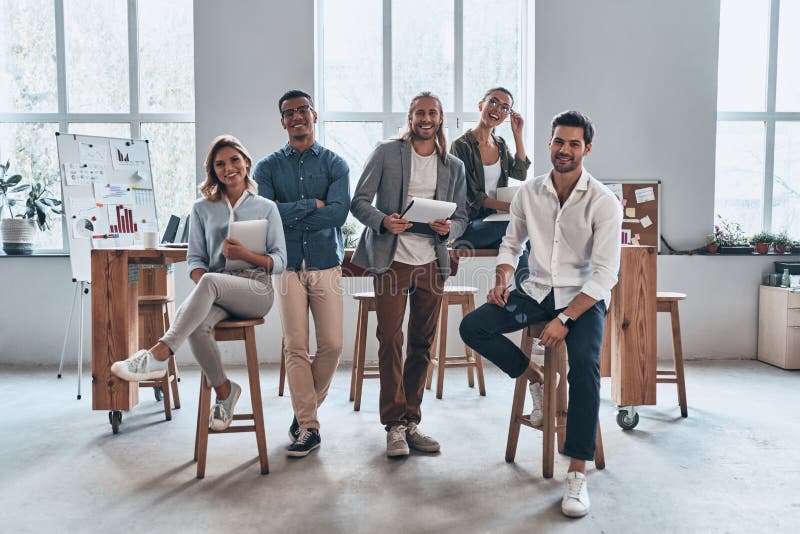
[668,303]
[233,330]
[554,422]
[154,321]
[282,375]
[455,296]
[360,371]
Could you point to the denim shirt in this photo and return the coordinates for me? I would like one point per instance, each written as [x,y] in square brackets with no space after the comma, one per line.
[295,181]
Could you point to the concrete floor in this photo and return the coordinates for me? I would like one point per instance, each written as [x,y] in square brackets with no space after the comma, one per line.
[730,467]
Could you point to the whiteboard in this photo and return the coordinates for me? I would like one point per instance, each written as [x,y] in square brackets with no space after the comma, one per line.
[108,195]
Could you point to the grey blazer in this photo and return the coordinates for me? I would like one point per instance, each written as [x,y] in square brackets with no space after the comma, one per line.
[386,174]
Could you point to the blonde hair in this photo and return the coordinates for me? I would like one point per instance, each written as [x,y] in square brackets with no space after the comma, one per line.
[212,188]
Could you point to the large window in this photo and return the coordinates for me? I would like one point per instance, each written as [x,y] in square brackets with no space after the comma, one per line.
[121,68]
[373,57]
[758,128]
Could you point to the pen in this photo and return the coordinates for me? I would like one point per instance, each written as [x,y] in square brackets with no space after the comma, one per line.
[407,208]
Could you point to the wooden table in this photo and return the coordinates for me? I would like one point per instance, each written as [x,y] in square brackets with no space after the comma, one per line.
[115,317]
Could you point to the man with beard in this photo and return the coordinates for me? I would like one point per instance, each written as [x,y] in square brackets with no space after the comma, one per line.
[573,223]
[408,261]
[311,186]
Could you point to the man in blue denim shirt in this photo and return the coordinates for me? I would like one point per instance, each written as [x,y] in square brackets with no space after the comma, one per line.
[311,186]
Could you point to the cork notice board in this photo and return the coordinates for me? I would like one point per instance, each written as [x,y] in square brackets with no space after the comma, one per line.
[640,209]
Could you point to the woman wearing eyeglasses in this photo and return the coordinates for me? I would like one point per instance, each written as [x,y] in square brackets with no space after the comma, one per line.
[488,165]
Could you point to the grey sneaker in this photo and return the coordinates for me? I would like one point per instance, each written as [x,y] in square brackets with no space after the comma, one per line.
[419,441]
[575,502]
[222,412]
[537,395]
[139,367]
[396,444]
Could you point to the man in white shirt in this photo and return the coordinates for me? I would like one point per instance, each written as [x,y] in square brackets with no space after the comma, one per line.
[574,224]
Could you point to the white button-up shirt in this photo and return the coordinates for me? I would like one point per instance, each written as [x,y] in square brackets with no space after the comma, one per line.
[575,248]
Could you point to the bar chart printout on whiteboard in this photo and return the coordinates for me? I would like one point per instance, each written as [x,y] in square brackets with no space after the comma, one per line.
[121,219]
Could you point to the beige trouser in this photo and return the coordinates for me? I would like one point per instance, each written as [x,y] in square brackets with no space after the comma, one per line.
[309,379]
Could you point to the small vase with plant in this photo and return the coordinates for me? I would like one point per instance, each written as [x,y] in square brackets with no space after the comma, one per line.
[781,243]
[731,237]
[762,240]
[19,229]
[712,243]
[350,235]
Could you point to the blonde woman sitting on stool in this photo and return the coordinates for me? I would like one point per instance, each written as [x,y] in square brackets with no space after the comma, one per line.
[229,195]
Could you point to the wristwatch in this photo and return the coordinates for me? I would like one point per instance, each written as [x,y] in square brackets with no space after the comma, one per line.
[566,320]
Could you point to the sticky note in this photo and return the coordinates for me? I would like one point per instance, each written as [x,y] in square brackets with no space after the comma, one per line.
[646,221]
[645,194]
[624,202]
[637,237]
[630,212]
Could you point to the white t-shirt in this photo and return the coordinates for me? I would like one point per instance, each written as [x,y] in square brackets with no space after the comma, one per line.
[417,249]
[491,175]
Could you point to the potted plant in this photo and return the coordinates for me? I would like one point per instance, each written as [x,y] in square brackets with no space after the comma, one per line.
[712,243]
[350,235]
[731,237]
[762,240]
[782,243]
[19,229]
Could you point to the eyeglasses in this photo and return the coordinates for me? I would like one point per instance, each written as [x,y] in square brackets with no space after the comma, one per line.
[505,108]
[302,110]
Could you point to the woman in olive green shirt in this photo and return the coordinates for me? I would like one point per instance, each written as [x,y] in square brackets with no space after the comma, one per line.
[488,165]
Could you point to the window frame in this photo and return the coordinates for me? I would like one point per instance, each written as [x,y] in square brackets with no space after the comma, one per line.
[63,117]
[393,120]
[770,117]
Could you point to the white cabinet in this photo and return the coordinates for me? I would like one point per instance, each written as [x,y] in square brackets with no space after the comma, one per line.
[779,327]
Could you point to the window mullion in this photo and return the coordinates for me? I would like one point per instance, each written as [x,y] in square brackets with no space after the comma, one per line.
[61,58]
[133,63]
[458,60]
[769,130]
[387,66]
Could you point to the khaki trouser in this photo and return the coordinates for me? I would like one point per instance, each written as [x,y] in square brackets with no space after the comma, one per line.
[309,379]
[402,384]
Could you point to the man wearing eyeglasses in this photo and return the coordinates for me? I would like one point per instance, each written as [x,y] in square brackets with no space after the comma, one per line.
[311,186]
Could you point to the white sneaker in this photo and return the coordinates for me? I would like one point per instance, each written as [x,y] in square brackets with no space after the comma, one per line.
[537,395]
[396,444]
[419,441]
[139,367]
[575,502]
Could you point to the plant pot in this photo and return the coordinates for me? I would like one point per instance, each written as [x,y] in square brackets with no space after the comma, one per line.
[762,248]
[18,235]
[712,248]
[735,249]
[780,249]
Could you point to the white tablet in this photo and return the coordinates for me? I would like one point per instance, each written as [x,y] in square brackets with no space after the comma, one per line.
[253,235]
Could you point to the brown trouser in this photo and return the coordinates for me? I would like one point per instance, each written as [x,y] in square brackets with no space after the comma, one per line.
[402,384]
[309,378]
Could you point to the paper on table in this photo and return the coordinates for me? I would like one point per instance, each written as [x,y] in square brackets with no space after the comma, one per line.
[424,210]
[253,235]
[495,217]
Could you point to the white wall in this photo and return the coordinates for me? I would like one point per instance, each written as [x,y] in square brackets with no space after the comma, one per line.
[645,71]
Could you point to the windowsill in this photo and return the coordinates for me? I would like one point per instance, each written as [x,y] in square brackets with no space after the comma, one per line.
[36,255]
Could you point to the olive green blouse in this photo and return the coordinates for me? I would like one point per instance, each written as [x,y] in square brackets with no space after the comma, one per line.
[465,148]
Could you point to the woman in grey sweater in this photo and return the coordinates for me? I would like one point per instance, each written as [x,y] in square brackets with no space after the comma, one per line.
[228,196]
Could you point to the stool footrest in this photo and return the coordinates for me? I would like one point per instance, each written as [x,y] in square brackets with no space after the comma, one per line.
[666,380]
[234,429]
[455,365]
[371,375]
[666,372]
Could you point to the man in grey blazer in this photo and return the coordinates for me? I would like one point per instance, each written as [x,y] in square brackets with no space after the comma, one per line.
[408,259]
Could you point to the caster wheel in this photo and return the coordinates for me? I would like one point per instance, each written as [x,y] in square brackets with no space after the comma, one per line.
[115,418]
[626,422]
[158,393]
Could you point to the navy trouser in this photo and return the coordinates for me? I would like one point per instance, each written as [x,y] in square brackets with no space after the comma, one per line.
[483,330]
[481,234]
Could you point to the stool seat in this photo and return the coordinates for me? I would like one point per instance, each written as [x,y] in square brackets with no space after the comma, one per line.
[154,299]
[460,290]
[554,408]
[463,296]
[364,295]
[667,296]
[238,323]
